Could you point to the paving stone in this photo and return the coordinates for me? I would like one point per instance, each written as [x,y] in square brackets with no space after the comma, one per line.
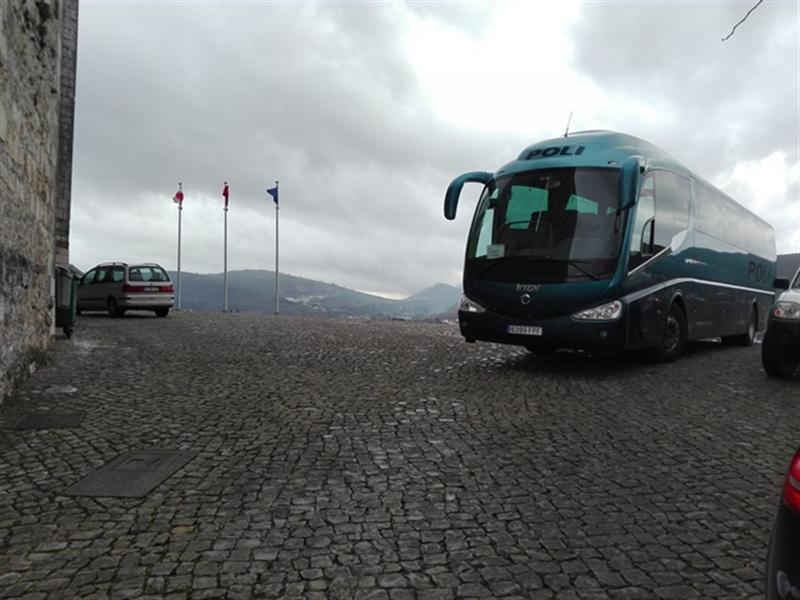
[390,460]
[436,594]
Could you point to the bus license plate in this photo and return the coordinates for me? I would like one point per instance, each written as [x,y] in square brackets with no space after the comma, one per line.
[524,330]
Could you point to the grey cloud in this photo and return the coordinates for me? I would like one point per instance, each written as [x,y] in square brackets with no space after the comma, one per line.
[469,16]
[322,97]
[329,94]
[319,96]
[728,101]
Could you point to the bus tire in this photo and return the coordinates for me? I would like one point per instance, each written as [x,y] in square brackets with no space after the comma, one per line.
[534,350]
[746,338]
[777,360]
[674,341]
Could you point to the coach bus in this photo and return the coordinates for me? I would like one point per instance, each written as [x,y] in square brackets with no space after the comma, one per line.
[601,242]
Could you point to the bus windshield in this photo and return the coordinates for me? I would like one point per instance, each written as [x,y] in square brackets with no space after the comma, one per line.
[547,226]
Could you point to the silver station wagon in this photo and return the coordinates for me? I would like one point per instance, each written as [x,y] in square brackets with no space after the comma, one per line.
[780,351]
[117,287]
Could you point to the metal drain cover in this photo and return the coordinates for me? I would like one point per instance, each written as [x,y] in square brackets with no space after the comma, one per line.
[50,421]
[133,474]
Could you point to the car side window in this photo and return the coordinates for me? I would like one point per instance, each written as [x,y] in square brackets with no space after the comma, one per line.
[102,276]
[118,274]
[88,277]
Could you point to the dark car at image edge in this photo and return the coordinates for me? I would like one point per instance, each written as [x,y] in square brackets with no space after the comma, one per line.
[783,560]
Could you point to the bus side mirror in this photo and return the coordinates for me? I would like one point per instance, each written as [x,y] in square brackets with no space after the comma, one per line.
[629,181]
[454,190]
[781,283]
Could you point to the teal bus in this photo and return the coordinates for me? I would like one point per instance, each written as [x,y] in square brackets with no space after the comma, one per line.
[601,242]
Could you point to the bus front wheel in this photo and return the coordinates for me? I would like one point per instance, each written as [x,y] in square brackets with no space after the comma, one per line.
[536,350]
[674,340]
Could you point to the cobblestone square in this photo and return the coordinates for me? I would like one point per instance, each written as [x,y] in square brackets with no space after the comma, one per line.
[390,460]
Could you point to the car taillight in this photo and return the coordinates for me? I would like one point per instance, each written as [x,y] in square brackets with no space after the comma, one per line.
[791,487]
[167,288]
[130,289]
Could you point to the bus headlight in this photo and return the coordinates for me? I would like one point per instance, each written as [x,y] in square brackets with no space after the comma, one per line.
[605,312]
[786,310]
[470,306]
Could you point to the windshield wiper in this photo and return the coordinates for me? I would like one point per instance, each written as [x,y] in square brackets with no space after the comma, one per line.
[577,265]
[487,266]
[566,261]
[497,261]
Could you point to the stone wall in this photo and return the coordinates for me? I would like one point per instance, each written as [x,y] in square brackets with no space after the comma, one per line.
[31,101]
[66,116]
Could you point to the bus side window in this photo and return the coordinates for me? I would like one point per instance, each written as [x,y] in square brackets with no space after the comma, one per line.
[485,236]
[672,207]
[486,226]
[644,224]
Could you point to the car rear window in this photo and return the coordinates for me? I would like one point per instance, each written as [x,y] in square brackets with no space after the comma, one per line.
[145,273]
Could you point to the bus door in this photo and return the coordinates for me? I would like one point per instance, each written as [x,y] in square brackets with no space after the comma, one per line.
[660,250]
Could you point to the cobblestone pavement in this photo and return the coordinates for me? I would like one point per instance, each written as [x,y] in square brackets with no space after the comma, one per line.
[390,460]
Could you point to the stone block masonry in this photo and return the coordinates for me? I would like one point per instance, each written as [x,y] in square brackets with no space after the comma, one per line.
[38,42]
[66,116]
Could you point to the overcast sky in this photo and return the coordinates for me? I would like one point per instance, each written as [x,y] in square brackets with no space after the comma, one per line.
[366,111]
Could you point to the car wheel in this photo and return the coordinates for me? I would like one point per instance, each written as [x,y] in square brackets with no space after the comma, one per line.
[778,361]
[162,312]
[113,309]
[674,341]
[746,338]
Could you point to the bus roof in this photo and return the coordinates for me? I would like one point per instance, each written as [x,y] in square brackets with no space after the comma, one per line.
[599,148]
[590,149]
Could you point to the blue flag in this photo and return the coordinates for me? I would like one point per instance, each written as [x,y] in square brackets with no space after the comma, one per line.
[274,193]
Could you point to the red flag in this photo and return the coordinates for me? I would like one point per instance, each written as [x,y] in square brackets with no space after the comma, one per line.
[225,194]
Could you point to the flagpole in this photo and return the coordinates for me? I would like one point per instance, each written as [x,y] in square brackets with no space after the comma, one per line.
[277,195]
[225,254]
[180,212]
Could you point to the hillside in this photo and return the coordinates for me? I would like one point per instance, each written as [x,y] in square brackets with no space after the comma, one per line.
[254,291]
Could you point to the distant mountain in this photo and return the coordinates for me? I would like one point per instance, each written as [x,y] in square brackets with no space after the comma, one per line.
[254,291]
[432,301]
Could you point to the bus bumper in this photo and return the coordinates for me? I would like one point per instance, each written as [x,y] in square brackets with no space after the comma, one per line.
[597,337]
